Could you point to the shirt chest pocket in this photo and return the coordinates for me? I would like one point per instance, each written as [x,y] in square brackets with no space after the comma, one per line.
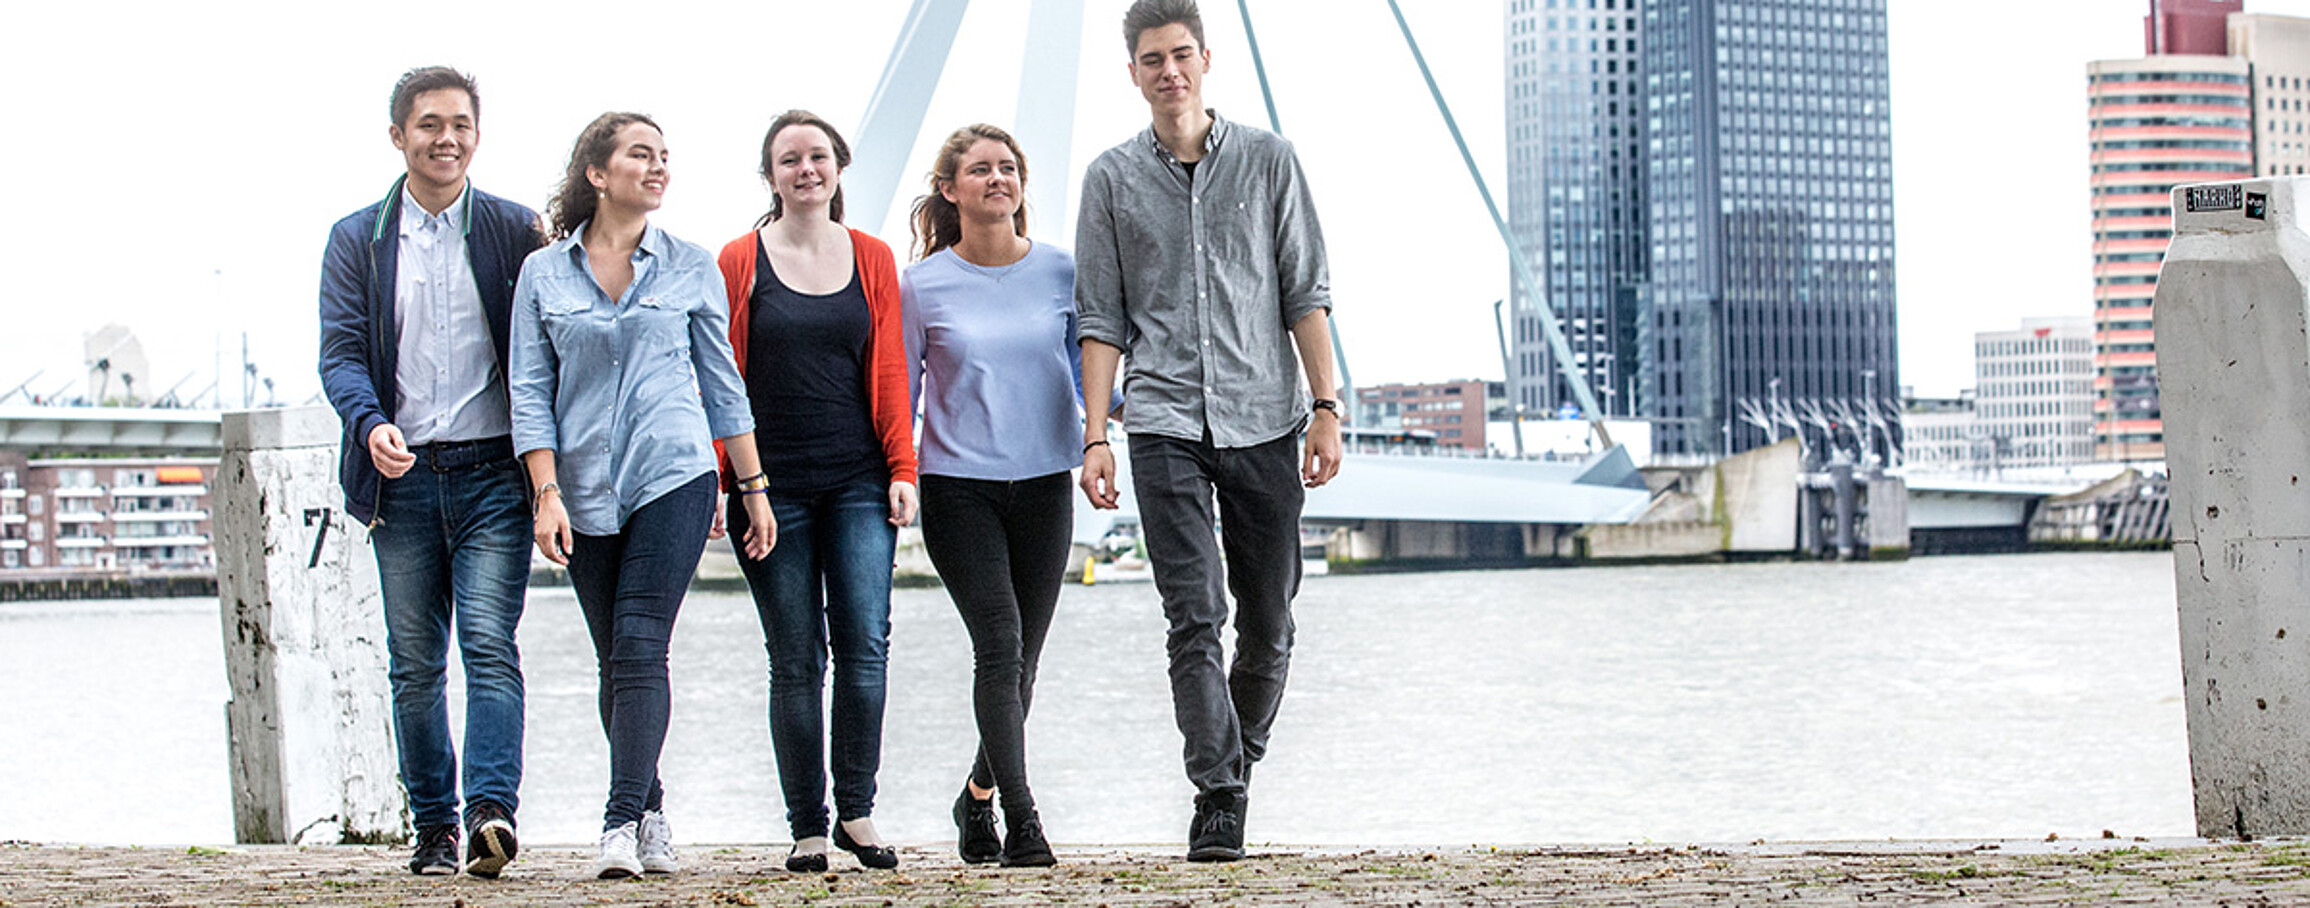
[565,309]
[657,325]
[1245,237]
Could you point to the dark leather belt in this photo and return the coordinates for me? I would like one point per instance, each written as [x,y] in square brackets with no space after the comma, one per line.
[452,456]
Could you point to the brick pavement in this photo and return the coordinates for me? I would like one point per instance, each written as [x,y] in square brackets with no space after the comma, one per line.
[2181,872]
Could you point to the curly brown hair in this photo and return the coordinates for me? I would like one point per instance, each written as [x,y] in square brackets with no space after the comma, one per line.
[575,199]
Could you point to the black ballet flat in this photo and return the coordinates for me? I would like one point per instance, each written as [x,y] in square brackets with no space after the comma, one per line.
[805,863]
[876,857]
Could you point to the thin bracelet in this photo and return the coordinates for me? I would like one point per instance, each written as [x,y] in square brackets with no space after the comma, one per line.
[763,491]
[1087,446]
[553,487]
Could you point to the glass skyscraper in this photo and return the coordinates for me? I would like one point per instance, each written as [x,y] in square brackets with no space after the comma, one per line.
[1576,195]
[1707,188]
[1769,209]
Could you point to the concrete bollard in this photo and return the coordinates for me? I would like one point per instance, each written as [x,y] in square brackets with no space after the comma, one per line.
[2233,335]
[311,718]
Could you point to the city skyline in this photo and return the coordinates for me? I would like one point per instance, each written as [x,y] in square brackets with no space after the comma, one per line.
[279,138]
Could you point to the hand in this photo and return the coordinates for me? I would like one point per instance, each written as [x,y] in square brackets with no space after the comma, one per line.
[718,529]
[552,529]
[390,451]
[1320,462]
[762,526]
[1098,480]
[902,503]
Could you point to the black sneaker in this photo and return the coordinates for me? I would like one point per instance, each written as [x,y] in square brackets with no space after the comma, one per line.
[493,844]
[975,821]
[1026,846]
[1216,833]
[436,851]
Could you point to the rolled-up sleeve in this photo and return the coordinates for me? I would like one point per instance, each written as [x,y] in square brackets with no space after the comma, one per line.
[720,389]
[1302,275]
[531,376]
[1099,314]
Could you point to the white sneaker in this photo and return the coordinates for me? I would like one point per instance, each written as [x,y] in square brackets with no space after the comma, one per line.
[618,859]
[657,844]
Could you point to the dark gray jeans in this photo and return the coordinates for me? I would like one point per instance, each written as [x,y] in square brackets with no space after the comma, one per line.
[1223,712]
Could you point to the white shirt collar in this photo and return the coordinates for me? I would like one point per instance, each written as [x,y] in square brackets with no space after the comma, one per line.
[414,216]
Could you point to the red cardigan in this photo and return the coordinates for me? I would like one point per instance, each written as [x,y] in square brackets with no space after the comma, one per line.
[886,393]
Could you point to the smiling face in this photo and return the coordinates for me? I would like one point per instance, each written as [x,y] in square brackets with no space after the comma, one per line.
[804,169]
[636,174]
[1168,67]
[438,140]
[988,183]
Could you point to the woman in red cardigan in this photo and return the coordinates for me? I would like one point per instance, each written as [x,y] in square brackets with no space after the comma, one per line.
[815,325]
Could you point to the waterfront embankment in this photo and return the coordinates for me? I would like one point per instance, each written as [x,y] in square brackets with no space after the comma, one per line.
[2110,871]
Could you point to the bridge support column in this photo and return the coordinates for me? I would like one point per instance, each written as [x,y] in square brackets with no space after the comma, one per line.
[2232,314]
[310,718]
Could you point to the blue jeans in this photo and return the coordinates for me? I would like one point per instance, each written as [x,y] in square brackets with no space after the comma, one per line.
[825,586]
[452,546]
[630,586]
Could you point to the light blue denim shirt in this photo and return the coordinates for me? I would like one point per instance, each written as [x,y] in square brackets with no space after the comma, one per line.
[629,394]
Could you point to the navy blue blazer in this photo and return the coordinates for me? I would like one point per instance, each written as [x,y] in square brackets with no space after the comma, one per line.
[359,343]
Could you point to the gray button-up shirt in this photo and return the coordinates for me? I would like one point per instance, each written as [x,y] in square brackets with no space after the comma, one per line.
[1199,281]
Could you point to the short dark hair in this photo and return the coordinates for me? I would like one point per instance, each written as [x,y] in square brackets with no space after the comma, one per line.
[431,78]
[1147,14]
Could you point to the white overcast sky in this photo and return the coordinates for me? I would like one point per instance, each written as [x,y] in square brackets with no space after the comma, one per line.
[179,164]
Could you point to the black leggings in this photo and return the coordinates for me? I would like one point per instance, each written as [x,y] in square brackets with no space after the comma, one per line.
[1001,549]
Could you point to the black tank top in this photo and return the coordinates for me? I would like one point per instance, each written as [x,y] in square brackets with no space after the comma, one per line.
[806,367]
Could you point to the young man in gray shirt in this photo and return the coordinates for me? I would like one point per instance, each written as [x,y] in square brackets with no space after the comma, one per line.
[1198,254]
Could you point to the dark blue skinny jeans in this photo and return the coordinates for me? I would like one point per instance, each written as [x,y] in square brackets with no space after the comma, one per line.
[825,587]
[630,587]
[452,546]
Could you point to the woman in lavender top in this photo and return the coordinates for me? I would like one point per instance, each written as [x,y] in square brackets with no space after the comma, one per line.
[990,327]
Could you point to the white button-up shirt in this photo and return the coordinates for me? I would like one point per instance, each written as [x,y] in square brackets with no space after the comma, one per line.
[447,377]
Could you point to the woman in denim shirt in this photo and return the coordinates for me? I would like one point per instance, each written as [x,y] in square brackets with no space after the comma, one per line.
[621,381]
[814,312]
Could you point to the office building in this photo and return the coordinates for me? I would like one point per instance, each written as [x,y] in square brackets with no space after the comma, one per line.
[2164,120]
[1452,412]
[2277,54]
[1576,196]
[1768,199]
[1939,434]
[2033,393]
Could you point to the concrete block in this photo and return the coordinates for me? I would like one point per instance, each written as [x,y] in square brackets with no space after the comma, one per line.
[310,720]
[292,427]
[1759,488]
[2233,328]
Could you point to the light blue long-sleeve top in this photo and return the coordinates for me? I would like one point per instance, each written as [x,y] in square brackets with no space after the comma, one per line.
[992,359]
[629,394]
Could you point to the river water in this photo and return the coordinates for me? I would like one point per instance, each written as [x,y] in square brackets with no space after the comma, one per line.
[2000,696]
